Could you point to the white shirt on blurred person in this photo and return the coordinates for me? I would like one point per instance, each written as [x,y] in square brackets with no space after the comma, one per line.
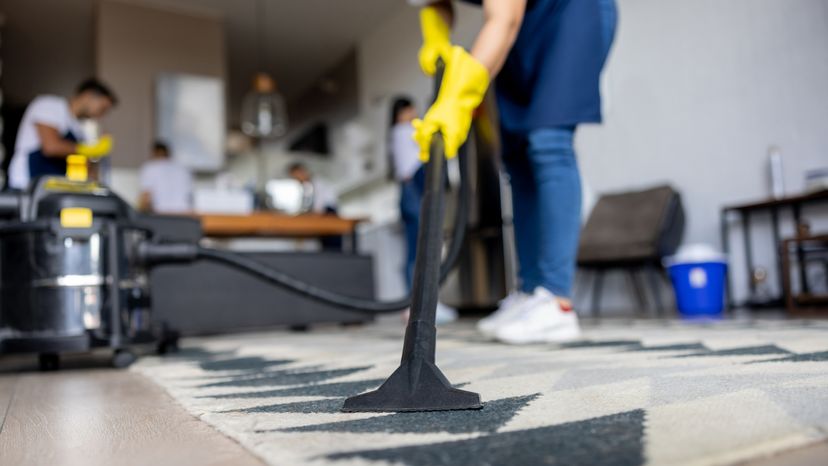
[51,130]
[405,151]
[166,185]
[324,198]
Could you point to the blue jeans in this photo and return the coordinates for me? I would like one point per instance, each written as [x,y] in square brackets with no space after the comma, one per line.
[546,197]
[609,22]
[546,191]
[411,195]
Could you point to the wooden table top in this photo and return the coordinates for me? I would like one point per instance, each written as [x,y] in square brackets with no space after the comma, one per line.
[786,201]
[275,225]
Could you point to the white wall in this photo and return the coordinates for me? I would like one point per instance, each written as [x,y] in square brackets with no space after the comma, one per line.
[126,183]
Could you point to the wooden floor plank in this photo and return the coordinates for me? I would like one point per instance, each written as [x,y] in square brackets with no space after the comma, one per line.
[7,385]
[105,417]
[808,456]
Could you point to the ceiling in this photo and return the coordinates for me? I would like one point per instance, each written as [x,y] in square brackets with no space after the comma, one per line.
[304,38]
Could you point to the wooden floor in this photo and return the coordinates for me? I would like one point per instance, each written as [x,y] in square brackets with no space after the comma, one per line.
[87,415]
[809,456]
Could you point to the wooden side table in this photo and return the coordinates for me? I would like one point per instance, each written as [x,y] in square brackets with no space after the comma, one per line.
[805,302]
[743,213]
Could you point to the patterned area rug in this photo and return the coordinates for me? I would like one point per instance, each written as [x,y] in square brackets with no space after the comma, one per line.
[630,393]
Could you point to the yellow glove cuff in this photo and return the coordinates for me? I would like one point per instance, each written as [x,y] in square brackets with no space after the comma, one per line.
[466,79]
[436,39]
[464,86]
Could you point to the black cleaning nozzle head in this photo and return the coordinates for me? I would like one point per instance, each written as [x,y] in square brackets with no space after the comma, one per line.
[417,385]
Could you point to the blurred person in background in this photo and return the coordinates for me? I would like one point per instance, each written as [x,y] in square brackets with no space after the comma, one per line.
[408,171]
[166,185]
[324,199]
[51,130]
[547,57]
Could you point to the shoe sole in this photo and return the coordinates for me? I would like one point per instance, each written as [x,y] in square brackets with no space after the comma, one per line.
[560,336]
[490,330]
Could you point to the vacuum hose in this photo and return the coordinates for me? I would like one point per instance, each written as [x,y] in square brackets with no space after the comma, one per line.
[159,253]
[284,280]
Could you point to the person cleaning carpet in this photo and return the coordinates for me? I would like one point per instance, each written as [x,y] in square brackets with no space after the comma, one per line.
[546,58]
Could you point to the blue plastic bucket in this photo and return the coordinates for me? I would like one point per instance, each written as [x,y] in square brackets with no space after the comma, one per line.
[699,288]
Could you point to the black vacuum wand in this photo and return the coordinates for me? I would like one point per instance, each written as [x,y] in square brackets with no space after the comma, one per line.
[418,384]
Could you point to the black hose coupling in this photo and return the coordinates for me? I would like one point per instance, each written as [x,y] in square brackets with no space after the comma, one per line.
[150,253]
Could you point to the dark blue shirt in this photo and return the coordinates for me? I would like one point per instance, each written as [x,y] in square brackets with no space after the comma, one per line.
[551,77]
[41,165]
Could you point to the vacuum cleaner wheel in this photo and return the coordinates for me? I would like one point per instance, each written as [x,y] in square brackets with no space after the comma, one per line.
[49,361]
[123,358]
[168,342]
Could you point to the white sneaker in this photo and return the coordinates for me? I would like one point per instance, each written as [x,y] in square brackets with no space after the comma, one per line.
[507,309]
[541,320]
[445,314]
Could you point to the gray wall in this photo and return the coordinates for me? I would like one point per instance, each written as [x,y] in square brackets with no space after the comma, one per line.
[696,92]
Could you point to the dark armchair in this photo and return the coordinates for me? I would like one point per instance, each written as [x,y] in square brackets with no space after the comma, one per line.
[632,231]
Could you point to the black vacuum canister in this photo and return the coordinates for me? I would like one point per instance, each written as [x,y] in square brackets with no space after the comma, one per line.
[69,280]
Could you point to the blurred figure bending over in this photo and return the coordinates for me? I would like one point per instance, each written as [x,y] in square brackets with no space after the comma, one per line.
[51,130]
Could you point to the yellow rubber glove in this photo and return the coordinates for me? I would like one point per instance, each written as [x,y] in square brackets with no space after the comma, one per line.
[100,149]
[436,40]
[464,85]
